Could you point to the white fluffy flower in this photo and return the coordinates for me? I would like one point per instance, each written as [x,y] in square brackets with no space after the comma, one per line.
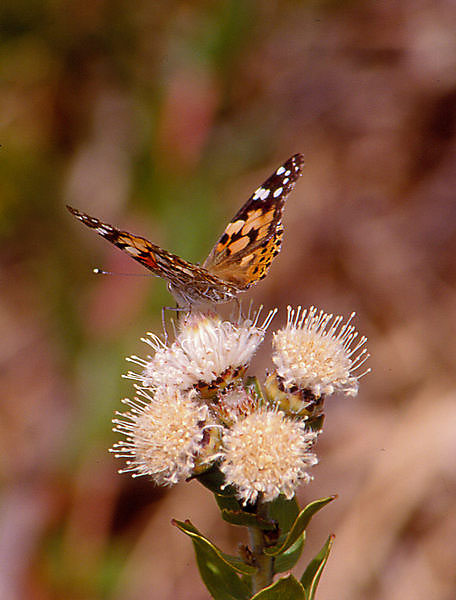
[207,351]
[164,435]
[267,454]
[317,352]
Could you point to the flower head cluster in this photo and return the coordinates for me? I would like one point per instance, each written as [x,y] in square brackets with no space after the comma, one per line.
[208,352]
[267,453]
[164,435]
[319,353]
[195,409]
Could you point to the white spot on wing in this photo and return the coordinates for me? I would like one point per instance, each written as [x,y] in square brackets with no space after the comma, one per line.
[278,191]
[261,194]
[280,170]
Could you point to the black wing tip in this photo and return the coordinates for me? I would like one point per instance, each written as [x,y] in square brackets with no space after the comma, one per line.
[73,211]
[297,159]
[84,217]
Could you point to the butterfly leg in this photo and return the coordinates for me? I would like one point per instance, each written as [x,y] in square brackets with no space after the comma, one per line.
[178,309]
[239,308]
[164,324]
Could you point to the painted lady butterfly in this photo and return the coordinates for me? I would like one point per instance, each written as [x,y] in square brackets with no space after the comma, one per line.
[241,257]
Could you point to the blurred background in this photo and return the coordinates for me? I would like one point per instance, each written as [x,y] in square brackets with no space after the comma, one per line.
[162,118]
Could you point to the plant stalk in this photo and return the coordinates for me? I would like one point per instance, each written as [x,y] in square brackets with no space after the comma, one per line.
[264,563]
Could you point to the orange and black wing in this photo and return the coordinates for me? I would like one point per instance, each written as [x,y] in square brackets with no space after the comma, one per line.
[162,263]
[189,283]
[252,239]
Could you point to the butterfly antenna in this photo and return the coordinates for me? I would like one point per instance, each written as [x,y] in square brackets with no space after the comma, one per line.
[98,271]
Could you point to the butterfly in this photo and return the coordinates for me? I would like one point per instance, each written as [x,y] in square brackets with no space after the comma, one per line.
[241,257]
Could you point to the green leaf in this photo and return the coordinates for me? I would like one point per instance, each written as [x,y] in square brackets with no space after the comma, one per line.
[232,512]
[316,423]
[299,525]
[235,563]
[284,512]
[227,502]
[217,569]
[247,580]
[245,519]
[287,588]
[312,574]
[288,559]
[214,479]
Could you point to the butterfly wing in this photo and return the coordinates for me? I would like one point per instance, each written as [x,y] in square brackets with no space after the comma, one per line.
[189,283]
[241,257]
[243,254]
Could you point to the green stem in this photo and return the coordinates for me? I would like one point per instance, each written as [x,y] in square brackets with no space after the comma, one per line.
[264,563]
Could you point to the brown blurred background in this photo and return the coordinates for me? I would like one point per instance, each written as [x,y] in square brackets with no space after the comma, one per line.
[162,118]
